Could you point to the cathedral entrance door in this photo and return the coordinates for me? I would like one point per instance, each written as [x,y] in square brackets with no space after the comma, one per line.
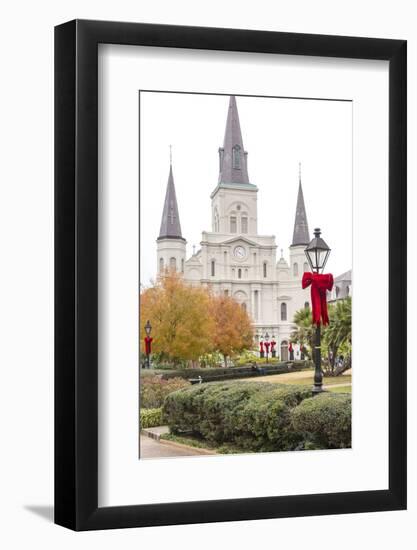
[284,350]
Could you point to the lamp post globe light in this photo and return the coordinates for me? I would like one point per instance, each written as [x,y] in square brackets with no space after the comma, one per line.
[148,341]
[317,253]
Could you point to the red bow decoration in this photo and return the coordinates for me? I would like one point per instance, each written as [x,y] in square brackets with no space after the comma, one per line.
[261,347]
[319,285]
[290,348]
[267,344]
[273,344]
[148,341]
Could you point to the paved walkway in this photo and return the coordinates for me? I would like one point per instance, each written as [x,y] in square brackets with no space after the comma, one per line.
[150,448]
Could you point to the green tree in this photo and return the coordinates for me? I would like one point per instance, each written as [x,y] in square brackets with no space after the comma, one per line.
[337,336]
[304,333]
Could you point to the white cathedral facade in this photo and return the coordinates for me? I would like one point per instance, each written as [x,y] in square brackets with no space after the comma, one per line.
[234,259]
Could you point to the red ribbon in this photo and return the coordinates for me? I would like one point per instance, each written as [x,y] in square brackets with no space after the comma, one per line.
[273,344]
[261,347]
[148,341]
[267,344]
[319,285]
[290,348]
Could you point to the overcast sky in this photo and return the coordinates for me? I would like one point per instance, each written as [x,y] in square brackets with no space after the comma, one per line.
[278,134]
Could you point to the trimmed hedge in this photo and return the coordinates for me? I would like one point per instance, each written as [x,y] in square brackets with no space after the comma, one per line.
[325,420]
[254,416]
[230,373]
[150,418]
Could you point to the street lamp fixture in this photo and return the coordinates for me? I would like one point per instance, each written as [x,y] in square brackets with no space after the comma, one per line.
[148,328]
[317,253]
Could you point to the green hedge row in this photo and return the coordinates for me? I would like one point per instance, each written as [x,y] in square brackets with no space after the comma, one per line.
[230,373]
[150,418]
[259,416]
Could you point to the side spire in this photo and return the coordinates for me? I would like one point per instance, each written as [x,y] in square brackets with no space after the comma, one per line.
[301,235]
[170,222]
[232,156]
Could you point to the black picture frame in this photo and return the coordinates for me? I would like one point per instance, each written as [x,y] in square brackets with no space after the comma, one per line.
[76,272]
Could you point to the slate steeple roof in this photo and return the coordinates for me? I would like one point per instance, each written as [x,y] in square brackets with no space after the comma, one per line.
[301,235]
[170,223]
[233,157]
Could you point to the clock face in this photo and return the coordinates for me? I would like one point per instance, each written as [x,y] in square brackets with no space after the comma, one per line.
[239,252]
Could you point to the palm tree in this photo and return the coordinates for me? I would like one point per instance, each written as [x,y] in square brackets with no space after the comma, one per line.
[304,332]
[339,333]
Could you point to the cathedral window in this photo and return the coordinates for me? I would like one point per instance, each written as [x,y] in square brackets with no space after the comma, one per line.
[244,224]
[239,273]
[236,161]
[226,293]
[295,269]
[305,267]
[233,224]
[161,265]
[213,268]
[265,270]
[306,305]
[182,266]
[283,311]
[173,263]
[244,307]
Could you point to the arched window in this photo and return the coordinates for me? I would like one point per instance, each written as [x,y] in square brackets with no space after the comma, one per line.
[233,224]
[161,265]
[182,266]
[305,267]
[348,290]
[236,161]
[226,293]
[295,269]
[265,270]
[306,305]
[173,263]
[239,273]
[283,311]
[337,289]
[213,268]
[244,307]
[216,221]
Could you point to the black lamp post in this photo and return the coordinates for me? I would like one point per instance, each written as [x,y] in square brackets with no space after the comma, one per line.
[148,330]
[267,346]
[317,253]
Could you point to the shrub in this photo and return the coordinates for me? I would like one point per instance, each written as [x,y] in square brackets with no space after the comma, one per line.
[154,389]
[325,420]
[150,418]
[254,416]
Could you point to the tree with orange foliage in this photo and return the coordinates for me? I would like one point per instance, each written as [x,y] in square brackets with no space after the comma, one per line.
[182,324]
[233,330]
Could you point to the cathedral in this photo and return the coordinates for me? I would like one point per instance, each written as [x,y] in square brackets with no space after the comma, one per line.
[234,259]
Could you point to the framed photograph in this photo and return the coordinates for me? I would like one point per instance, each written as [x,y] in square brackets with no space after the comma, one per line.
[230,248]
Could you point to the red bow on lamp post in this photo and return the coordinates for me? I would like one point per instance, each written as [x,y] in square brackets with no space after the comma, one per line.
[320,284]
[148,344]
[261,348]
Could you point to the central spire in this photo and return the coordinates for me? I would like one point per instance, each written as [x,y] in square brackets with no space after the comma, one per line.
[232,156]
[301,235]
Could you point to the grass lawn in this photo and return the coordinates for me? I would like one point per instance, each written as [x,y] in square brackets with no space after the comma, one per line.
[341,389]
[302,377]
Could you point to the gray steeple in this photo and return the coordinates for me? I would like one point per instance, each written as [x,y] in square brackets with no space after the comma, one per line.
[301,235]
[232,156]
[170,223]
